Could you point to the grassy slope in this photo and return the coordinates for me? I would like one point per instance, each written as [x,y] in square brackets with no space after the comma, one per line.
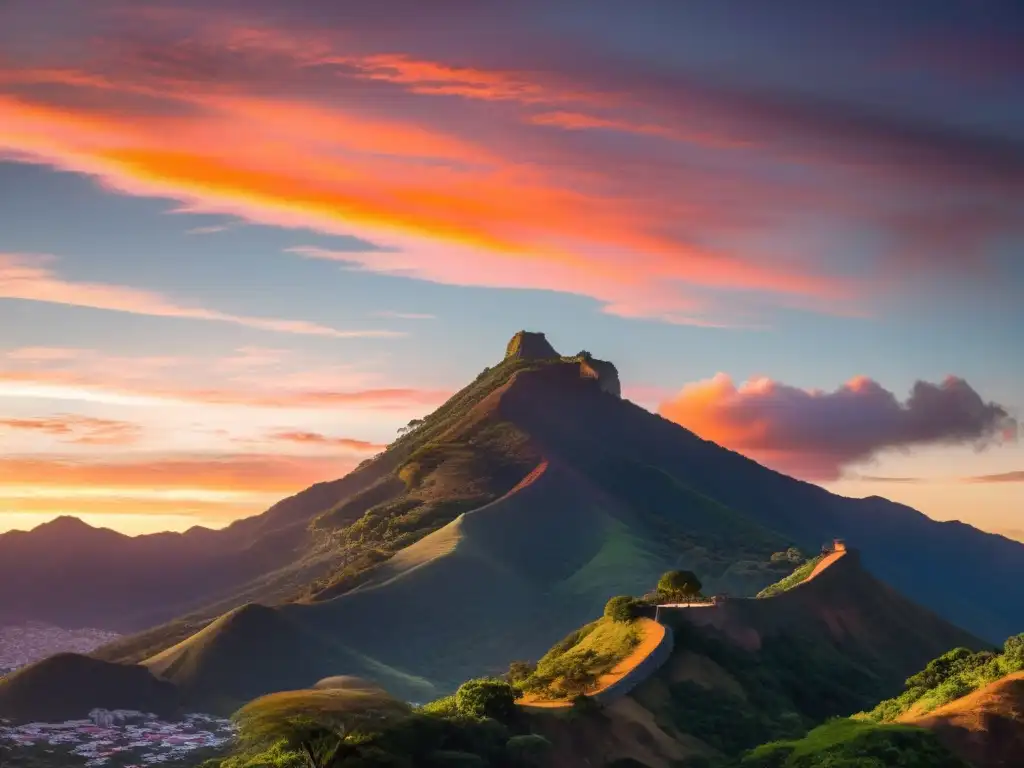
[594,649]
[838,643]
[985,727]
[947,678]
[790,581]
[853,744]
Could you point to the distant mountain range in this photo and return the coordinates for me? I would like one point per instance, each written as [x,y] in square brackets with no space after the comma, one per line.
[483,534]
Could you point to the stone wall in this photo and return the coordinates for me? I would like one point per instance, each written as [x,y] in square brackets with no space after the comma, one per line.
[640,672]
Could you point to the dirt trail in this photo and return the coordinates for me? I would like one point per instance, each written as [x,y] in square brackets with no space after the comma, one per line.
[825,563]
[652,634]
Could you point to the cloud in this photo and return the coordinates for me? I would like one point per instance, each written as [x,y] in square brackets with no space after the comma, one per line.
[68,385]
[404,315]
[815,434]
[199,477]
[80,430]
[25,277]
[209,230]
[1002,477]
[317,439]
[486,150]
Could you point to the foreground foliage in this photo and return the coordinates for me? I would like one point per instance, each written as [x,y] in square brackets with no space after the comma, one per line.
[851,744]
[949,677]
[368,729]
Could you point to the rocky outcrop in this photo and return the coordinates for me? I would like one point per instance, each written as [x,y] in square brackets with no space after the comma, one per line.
[528,345]
[606,373]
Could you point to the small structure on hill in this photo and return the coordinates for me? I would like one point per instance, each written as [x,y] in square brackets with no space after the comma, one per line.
[836,545]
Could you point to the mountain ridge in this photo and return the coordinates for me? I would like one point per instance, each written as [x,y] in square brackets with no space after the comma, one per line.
[676,500]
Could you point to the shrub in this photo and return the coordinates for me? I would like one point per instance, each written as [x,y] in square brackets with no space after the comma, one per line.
[446,706]
[527,751]
[679,585]
[487,697]
[622,608]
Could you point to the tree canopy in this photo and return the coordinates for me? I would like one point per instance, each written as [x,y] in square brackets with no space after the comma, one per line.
[679,585]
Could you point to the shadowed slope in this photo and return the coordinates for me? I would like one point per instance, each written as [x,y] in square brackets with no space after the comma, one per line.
[67,686]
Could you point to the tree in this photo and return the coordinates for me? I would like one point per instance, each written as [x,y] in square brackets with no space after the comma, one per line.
[519,671]
[679,585]
[487,697]
[324,727]
[1014,649]
[622,609]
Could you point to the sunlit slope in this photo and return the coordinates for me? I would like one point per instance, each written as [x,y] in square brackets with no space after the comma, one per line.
[986,727]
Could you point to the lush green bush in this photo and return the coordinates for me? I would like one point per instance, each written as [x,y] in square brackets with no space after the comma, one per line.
[446,706]
[679,585]
[487,697]
[848,743]
[622,608]
[519,672]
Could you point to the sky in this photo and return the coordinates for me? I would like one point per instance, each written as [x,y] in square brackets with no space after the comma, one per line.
[242,243]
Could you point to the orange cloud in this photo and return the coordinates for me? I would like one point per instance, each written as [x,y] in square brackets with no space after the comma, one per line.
[24,277]
[435,78]
[450,205]
[61,384]
[579,121]
[144,495]
[317,439]
[815,434]
[81,430]
[195,477]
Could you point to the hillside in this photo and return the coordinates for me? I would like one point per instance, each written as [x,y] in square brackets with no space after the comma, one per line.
[520,505]
[750,671]
[70,574]
[985,727]
[67,686]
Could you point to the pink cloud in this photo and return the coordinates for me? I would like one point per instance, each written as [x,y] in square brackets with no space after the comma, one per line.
[25,277]
[815,434]
[80,430]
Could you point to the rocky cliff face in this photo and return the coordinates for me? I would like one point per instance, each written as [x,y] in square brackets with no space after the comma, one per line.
[527,345]
[606,373]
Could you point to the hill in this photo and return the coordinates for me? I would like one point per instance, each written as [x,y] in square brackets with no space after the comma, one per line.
[985,727]
[855,744]
[745,672]
[67,686]
[520,505]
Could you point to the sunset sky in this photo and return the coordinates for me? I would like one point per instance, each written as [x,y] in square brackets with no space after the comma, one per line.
[241,243]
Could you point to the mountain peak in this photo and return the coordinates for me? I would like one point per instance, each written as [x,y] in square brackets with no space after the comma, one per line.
[64,523]
[530,345]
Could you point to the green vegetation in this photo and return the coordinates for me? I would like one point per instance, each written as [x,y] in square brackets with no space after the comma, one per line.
[796,577]
[851,744]
[574,665]
[951,676]
[352,728]
[487,697]
[679,586]
[450,463]
[622,608]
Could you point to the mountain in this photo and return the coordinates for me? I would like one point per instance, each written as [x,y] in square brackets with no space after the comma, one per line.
[67,686]
[748,671]
[520,505]
[985,727]
[72,575]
